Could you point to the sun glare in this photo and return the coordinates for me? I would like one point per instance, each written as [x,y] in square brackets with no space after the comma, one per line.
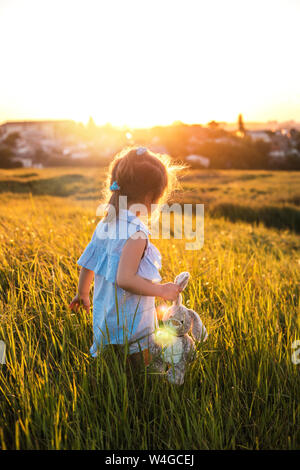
[161,310]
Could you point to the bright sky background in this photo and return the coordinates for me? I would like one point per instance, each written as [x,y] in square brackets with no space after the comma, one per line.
[147,62]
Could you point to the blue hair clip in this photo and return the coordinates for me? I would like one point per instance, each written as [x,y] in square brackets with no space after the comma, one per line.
[141,150]
[114,186]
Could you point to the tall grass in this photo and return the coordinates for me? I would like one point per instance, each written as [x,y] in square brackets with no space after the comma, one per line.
[241,393]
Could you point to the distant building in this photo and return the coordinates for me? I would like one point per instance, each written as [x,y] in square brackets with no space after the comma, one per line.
[26,162]
[36,139]
[49,128]
[226,140]
[157,148]
[198,160]
[280,144]
[260,135]
[277,153]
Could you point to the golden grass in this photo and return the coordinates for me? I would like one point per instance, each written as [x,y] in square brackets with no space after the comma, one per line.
[242,393]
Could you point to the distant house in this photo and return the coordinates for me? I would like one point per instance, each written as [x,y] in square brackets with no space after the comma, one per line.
[198,161]
[22,149]
[157,148]
[26,162]
[79,154]
[281,144]
[36,139]
[46,127]
[225,140]
[260,135]
[277,153]
[193,139]
[77,151]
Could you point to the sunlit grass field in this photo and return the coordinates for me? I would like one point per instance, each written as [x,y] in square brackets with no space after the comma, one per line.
[243,390]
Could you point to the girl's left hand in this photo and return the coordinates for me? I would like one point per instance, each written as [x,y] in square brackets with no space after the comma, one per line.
[78,300]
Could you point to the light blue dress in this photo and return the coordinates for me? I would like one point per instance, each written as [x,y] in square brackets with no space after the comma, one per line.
[120,316]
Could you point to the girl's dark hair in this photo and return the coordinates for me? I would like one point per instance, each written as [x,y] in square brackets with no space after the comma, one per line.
[139,174]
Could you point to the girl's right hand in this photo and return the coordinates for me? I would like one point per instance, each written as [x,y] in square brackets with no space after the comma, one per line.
[170,291]
[83,300]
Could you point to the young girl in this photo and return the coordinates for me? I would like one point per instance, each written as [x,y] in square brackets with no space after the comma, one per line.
[123,260]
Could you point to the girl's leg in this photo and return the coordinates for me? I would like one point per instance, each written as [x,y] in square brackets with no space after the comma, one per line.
[138,360]
[134,362]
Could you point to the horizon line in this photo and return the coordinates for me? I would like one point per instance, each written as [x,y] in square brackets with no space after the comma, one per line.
[127,126]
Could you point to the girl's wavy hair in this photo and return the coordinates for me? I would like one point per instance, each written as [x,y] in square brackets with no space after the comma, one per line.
[137,174]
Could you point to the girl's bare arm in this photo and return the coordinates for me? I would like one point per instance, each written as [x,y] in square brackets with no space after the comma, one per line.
[128,279]
[85,279]
[84,284]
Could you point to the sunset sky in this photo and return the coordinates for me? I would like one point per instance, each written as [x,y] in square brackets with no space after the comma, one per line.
[147,62]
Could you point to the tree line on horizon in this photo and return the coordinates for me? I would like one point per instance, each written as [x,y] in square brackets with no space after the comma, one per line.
[225,150]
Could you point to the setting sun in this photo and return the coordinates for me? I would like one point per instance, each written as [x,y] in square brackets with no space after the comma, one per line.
[141,63]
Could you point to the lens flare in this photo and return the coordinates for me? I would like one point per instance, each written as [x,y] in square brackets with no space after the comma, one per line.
[165,336]
[161,310]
